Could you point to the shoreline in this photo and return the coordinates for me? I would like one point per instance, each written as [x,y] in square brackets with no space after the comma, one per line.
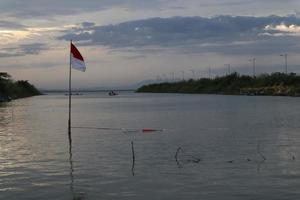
[5,99]
[276,84]
[225,94]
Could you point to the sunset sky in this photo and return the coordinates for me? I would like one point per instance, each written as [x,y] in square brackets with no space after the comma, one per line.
[128,41]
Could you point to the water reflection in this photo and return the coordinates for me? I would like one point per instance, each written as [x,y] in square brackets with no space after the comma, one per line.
[75,195]
[6,113]
[71,168]
[36,162]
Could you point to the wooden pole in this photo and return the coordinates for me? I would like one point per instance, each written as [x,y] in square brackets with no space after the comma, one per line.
[133,158]
[69,127]
[71,170]
[70,93]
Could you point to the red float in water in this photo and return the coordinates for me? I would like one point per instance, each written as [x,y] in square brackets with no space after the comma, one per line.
[149,130]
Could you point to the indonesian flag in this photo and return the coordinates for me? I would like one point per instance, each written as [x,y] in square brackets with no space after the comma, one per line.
[77,60]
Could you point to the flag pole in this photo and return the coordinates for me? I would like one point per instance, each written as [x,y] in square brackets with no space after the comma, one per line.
[70,93]
[69,127]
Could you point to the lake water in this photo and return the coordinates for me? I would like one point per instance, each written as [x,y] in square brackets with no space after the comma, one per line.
[249,147]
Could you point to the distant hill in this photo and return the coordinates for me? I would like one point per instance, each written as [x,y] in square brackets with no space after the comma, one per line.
[10,89]
[278,84]
[131,87]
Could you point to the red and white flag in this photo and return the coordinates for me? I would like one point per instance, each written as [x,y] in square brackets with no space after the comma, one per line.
[77,60]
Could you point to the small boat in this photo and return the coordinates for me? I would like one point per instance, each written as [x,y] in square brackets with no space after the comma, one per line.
[112,93]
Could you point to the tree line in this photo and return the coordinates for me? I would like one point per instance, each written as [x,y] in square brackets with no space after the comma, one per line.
[233,84]
[10,89]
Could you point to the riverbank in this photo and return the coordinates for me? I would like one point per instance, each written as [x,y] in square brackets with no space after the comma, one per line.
[276,84]
[10,89]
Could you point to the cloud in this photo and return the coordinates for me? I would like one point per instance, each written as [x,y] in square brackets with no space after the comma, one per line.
[87,24]
[34,65]
[12,33]
[243,2]
[23,49]
[11,25]
[283,29]
[222,34]
[43,8]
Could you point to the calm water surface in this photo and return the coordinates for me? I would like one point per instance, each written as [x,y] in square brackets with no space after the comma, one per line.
[230,134]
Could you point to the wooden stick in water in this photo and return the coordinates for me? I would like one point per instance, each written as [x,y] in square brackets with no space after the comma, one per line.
[133,158]
[259,153]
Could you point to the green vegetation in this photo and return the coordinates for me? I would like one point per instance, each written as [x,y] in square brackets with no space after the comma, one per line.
[10,89]
[278,84]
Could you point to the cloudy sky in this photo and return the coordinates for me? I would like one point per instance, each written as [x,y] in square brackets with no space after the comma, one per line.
[127,41]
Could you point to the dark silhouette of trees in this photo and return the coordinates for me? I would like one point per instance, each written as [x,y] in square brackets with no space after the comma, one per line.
[10,89]
[264,84]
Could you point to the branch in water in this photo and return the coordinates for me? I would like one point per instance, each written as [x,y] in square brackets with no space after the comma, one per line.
[133,158]
[259,153]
